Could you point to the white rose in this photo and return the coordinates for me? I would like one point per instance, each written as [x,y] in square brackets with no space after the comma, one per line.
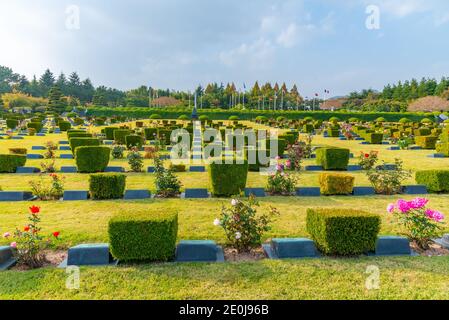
[234,202]
[238,235]
[217,222]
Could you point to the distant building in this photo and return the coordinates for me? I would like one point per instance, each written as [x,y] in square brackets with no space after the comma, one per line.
[332,104]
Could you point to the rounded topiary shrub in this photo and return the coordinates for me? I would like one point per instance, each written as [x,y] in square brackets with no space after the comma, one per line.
[64,125]
[92,159]
[82,142]
[134,141]
[120,135]
[10,162]
[405,120]
[104,186]
[12,123]
[234,118]
[35,125]
[203,118]
[228,179]
[183,117]
[155,116]
[143,236]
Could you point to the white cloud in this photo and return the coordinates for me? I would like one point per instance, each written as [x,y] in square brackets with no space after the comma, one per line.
[256,54]
[288,36]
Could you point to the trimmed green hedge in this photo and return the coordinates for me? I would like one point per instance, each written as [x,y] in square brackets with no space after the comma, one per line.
[64,125]
[82,142]
[12,123]
[134,141]
[109,132]
[120,135]
[10,162]
[78,135]
[343,231]
[426,142]
[144,236]
[150,133]
[228,179]
[221,114]
[104,186]
[333,158]
[336,184]
[281,144]
[90,159]
[35,125]
[250,154]
[374,138]
[434,180]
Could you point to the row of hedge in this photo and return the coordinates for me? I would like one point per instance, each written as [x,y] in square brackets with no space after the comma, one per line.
[220,114]
[151,235]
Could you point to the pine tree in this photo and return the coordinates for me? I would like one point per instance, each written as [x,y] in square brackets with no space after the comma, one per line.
[2,105]
[62,83]
[46,81]
[99,99]
[56,103]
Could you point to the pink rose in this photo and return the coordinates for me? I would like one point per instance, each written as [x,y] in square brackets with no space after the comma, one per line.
[6,235]
[403,206]
[390,208]
[418,203]
[278,167]
[434,215]
[13,245]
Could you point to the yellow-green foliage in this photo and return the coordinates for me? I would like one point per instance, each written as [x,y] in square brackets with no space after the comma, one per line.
[336,184]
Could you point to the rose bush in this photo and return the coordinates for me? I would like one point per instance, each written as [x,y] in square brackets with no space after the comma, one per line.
[28,243]
[243,228]
[422,223]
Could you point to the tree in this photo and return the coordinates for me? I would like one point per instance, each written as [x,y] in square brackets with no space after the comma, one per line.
[2,105]
[46,82]
[7,79]
[99,99]
[62,83]
[56,102]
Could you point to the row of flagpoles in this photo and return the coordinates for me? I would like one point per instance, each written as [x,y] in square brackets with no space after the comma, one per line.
[239,98]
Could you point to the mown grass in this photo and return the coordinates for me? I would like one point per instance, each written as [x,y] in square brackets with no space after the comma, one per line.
[326,278]
[413,161]
[86,221]
[400,278]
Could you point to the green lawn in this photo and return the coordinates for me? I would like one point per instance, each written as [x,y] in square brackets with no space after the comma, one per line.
[400,278]
[413,160]
[86,221]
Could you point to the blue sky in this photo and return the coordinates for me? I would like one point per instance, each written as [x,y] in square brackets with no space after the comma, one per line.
[179,44]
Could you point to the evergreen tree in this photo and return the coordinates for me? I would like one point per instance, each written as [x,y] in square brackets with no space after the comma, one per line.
[46,82]
[441,87]
[62,83]
[414,89]
[99,99]
[56,103]
[422,88]
[431,86]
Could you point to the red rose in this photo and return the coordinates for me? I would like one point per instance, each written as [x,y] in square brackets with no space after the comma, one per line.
[34,209]
[366,155]
[56,234]
[26,229]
